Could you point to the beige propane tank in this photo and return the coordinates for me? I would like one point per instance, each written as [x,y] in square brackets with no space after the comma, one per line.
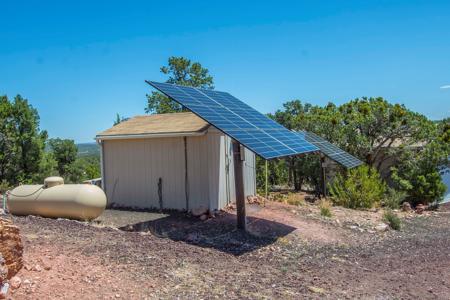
[58,200]
[53,181]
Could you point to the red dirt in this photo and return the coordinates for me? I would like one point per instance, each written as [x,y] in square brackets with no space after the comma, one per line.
[291,253]
[308,228]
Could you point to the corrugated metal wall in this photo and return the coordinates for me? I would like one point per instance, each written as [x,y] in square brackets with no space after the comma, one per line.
[198,171]
[132,169]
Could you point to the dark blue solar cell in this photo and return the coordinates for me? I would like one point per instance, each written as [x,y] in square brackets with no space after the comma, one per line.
[335,153]
[243,123]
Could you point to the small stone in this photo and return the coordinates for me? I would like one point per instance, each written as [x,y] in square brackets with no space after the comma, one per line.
[45,264]
[4,290]
[420,209]
[197,212]
[310,198]
[338,259]
[203,217]
[27,282]
[406,206]
[316,290]
[3,270]
[37,268]
[192,237]
[231,206]
[15,282]
[117,296]
[2,211]
[381,227]
[255,199]
[127,228]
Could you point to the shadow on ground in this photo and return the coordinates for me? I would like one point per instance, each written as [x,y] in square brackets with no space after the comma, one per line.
[219,233]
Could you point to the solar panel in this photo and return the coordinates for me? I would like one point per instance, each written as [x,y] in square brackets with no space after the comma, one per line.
[330,150]
[246,125]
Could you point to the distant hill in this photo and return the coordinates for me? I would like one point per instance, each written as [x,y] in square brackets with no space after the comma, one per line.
[88,149]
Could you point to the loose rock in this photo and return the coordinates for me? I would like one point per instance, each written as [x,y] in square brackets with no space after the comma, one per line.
[15,282]
[310,198]
[3,270]
[11,248]
[255,199]
[381,227]
[420,209]
[4,290]
[37,268]
[316,290]
[231,206]
[406,206]
[47,267]
[197,212]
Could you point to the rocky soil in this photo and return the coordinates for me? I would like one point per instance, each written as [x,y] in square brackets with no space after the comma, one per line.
[290,252]
[10,255]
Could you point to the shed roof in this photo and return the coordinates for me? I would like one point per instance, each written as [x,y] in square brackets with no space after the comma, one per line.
[159,125]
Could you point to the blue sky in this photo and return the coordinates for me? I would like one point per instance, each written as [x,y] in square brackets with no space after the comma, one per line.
[80,63]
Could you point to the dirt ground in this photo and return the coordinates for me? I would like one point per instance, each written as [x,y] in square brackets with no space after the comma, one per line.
[290,252]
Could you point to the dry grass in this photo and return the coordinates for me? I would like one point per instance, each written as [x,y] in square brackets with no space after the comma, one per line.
[297,199]
[325,208]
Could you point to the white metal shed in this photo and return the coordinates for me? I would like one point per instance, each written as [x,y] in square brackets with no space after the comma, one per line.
[170,161]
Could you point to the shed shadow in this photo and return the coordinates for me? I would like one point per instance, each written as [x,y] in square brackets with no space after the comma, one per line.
[219,233]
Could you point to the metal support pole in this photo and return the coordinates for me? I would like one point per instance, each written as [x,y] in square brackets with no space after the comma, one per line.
[4,196]
[267,183]
[323,175]
[239,186]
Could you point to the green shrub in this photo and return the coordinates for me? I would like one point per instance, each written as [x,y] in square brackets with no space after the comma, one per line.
[277,173]
[393,198]
[4,186]
[417,172]
[325,212]
[362,187]
[392,220]
[325,208]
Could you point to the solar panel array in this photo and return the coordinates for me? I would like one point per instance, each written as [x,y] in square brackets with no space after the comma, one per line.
[330,150]
[246,125]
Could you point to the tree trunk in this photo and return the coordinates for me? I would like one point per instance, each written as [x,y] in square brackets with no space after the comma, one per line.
[290,171]
[296,181]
